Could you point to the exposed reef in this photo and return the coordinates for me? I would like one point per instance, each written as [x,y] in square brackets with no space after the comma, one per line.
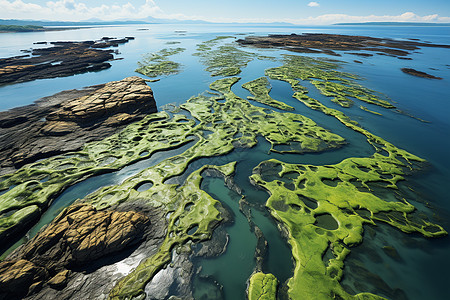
[61,60]
[418,73]
[329,43]
[66,121]
[157,64]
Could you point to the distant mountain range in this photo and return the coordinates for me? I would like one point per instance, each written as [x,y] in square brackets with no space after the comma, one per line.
[396,24]
[149,20]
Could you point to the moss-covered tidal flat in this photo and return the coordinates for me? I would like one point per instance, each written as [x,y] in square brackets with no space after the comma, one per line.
[320,208]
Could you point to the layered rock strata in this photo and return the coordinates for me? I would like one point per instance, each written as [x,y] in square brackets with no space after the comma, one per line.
[67,120]
[78,237]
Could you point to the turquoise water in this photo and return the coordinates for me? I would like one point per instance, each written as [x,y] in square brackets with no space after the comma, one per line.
[423,271]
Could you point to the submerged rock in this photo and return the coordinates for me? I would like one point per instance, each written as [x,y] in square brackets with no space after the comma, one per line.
[65,121]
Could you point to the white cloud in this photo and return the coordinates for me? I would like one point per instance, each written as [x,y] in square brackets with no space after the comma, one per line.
[313,4]
[73,10]
[340,18]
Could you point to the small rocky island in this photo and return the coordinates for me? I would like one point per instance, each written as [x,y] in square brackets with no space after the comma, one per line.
[419,73]
[60,60]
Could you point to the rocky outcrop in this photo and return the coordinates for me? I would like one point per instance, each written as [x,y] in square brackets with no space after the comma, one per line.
[60,60]
[67,120]
[95,279]
[79,236]
[329,43]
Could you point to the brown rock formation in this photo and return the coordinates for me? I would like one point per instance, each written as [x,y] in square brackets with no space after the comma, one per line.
[418,73]
[328,43]
[63,59]
[65,121]
[77,237]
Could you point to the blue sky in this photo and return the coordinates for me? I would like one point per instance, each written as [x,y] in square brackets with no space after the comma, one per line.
[294,11]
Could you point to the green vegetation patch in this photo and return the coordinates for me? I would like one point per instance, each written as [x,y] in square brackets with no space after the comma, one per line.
[324,208]
[157,64]
[262,287]
[341,87]
[260,89]
[224,60]
[368,110]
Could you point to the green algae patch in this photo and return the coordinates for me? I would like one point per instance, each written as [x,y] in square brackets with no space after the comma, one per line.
[344,194]
[347,194]
[368,110]
[260,90]
[157,64]
[224,60]
[262,287]
[341,87]
[324,208]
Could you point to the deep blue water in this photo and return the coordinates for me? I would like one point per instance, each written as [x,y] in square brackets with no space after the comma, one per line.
[424,273]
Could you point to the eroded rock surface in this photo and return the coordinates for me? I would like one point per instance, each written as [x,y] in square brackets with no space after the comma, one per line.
[60,60]
[65,121]
[329,43]
[78,237]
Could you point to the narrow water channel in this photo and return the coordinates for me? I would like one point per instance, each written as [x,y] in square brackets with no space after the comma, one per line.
[231,269]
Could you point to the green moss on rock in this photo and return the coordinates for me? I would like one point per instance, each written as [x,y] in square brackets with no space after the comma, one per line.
[262,287]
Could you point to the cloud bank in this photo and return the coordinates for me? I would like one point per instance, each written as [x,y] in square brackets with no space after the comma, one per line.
[71,10]
[74,10]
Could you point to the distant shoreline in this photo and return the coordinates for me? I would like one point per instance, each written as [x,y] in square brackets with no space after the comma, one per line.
[33,28]
[395,24]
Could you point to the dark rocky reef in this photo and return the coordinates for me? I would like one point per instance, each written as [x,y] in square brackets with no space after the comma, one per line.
[73,242]
[329,43]
[419,73]
[65,121]
[60,60]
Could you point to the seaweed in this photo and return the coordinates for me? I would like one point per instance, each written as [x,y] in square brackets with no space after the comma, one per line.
[157,64]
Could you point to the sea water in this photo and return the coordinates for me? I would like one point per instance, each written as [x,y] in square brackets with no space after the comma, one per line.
[423,271]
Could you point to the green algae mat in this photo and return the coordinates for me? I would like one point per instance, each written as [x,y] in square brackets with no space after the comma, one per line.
[320,208]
